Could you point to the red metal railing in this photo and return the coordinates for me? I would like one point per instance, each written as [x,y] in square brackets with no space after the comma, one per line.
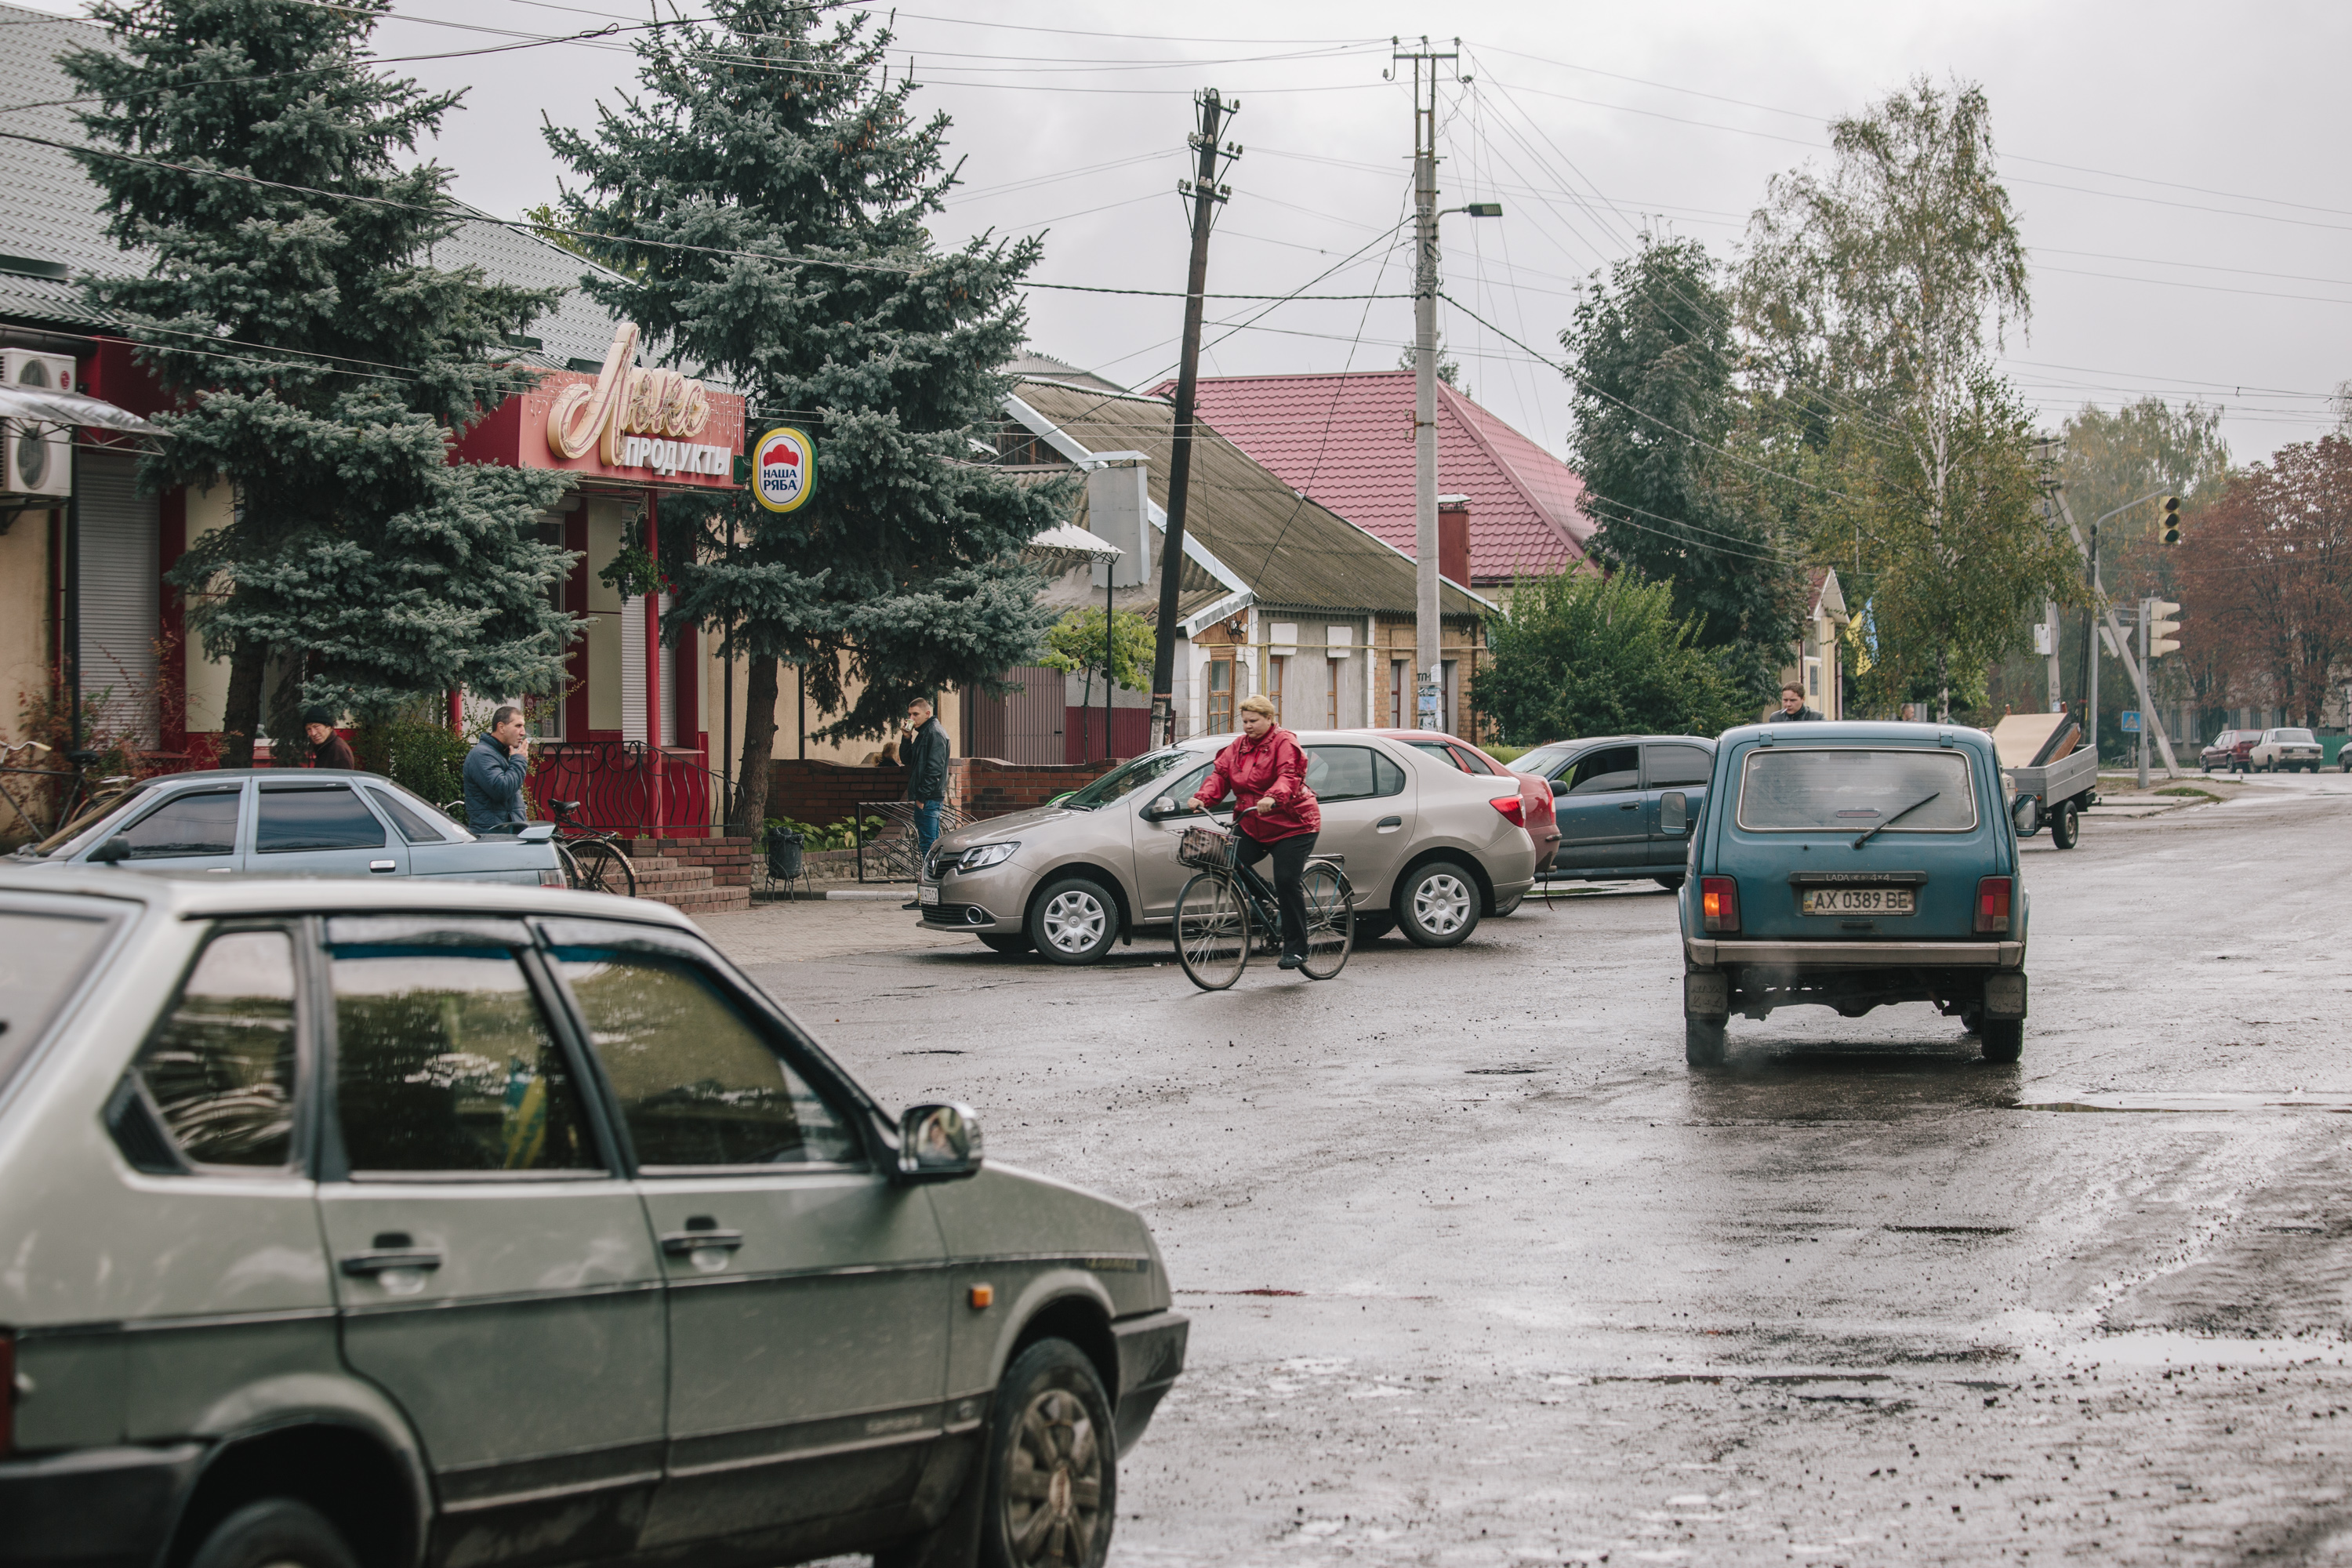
[625,784]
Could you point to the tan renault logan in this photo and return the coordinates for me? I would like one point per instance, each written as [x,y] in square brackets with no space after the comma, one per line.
[1428,848]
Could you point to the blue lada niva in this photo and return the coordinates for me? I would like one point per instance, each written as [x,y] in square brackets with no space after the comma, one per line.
[1854,864]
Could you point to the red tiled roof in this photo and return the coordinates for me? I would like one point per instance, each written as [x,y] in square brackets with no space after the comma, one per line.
[1346,440]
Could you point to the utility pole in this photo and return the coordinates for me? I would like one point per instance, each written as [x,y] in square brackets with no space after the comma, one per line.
[1428,657]
[1205,193]
[2091,646]
[2135,667]
[2145,714]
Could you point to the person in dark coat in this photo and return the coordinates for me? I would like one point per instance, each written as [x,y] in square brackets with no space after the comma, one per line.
[495,770]
[1792,708]
[925,752]
[327,749]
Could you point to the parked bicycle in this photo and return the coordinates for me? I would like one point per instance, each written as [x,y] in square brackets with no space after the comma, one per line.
[1227,911]
[593,858]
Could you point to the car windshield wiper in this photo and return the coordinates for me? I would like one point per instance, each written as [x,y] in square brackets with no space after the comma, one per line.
[1898,817]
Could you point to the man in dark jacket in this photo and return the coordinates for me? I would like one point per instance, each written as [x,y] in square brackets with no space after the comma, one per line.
[327,749]
[925,751]
[494,773]
[1792,708]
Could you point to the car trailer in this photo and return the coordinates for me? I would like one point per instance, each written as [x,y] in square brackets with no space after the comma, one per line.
[2046,777]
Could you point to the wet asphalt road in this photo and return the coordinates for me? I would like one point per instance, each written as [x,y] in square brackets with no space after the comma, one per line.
[1480,1273]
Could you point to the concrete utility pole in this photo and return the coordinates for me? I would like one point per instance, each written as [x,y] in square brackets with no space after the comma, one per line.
[1205,193]
[2135,666]
[1428,657]
[1428,665]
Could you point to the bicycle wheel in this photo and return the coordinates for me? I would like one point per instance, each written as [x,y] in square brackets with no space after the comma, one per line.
[598,867]
[1330,919]
[1213,932]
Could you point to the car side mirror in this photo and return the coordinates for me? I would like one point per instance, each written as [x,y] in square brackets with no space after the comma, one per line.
[1164,807]
[113,852]
[1674,813]
[1559,788]
[938,1142]
[2026,814]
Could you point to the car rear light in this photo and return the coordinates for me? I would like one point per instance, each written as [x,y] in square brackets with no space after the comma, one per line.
[1992,903]
[553,876]
[7,1392]
[1718,903]
[1512,808]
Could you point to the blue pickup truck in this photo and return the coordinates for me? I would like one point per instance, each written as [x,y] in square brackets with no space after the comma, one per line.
[1851,866]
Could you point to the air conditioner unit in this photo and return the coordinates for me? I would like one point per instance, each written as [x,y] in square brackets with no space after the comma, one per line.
[39,454]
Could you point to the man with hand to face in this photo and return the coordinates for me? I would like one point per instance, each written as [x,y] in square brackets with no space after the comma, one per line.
[1792,708]
[495,770]
[924,750]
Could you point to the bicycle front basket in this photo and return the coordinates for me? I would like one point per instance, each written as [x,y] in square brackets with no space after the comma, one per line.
[1209,848]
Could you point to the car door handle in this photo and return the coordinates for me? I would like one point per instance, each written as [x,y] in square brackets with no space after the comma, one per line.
[383,1260]
[681,1243]
[1630,805]
[1389,823]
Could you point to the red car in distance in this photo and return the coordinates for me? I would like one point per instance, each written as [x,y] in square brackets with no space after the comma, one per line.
[1537,812]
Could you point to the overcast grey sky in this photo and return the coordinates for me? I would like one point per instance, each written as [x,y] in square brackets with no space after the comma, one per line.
[2178,168]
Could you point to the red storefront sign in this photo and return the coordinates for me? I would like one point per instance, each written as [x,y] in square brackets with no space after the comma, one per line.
[654,428]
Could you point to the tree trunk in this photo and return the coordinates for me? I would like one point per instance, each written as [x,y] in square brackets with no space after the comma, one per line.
[1943,684]
[241,711]
[758,741]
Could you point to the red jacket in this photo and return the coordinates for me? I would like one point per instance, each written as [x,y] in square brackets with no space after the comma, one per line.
[1272,769]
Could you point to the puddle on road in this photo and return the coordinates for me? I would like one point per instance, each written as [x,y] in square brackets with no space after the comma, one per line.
[2191,1103]
[1502,1072]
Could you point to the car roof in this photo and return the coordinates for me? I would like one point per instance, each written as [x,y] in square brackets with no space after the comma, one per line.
[1814,732]
[220,775]
[189,895]
[1620,739]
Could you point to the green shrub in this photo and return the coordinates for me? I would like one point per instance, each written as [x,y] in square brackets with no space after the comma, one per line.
[835,836]
[421,756]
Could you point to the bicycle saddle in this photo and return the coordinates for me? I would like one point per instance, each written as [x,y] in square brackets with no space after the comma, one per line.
[563,808]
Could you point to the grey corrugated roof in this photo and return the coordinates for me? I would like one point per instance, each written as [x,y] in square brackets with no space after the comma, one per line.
[50,212]
[1293,553]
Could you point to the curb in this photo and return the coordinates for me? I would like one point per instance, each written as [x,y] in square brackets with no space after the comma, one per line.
[846,895]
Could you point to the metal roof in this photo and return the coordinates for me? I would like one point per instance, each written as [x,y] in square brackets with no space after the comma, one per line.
[1346,440]
[1289,552]
[52,216]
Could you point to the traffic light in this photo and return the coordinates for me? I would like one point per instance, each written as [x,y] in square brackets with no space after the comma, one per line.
[2172,523]
[2160,628]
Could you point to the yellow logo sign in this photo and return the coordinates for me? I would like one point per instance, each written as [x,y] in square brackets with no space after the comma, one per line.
[783,469]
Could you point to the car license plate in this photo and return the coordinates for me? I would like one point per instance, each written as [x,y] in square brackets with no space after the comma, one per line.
[1858,900]
[928,893]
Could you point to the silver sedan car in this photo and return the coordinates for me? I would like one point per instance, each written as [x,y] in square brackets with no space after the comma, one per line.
[1428,848]
[296,822]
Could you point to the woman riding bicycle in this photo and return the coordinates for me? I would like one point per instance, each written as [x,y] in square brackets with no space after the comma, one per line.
[1265,772]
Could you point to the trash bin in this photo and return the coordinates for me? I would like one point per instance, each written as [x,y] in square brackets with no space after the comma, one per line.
[785,848]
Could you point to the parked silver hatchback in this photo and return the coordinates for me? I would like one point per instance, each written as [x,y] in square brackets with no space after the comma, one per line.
[1428,848]
[400,1224]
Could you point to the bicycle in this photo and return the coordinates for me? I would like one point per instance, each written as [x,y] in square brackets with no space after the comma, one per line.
[593,858]
[1219,906]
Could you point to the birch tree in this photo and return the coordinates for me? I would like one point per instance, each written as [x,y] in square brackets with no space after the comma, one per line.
[1877,293]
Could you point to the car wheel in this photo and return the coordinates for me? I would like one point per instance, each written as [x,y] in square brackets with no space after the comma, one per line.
[1074,921]
[1972,1018]
[1050,1470]
[1505,909]
[2065,825]
[1005,942]
[1671,884]
[276,1533]
[2002,1039]
[1437,905]
[1705,1041]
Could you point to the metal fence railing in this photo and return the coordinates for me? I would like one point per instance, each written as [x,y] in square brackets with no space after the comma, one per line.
[888,850]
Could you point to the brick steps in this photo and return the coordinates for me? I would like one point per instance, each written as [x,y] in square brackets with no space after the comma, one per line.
[663,878]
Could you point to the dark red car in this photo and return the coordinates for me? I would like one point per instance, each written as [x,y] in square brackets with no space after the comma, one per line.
[1537,812]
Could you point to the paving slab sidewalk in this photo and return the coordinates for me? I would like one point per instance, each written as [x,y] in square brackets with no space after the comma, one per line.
[801,930]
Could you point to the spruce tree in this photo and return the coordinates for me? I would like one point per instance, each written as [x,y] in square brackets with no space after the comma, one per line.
[763,204]
[323,362]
